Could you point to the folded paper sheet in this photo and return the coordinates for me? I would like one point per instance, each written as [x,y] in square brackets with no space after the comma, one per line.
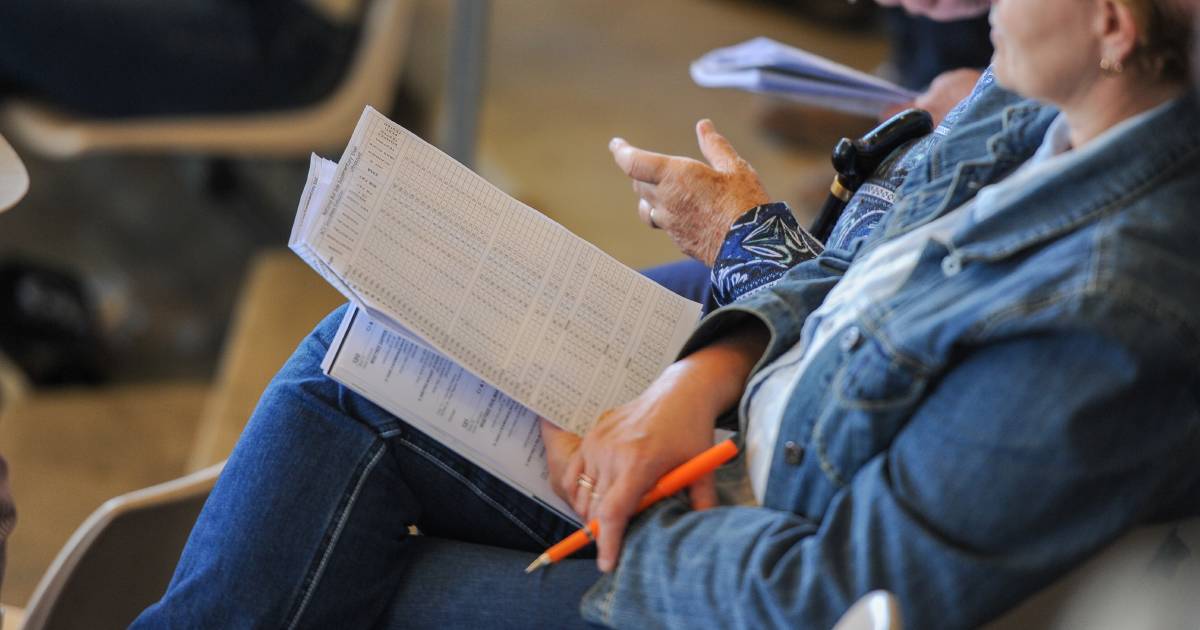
[491,291]
[766,66]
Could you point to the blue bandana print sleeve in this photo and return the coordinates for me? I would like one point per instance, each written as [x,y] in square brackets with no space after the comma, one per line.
[761,245]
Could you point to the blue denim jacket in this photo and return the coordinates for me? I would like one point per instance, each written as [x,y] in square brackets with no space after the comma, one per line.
[1027,396]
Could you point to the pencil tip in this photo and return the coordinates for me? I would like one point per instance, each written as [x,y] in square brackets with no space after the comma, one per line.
[541,561]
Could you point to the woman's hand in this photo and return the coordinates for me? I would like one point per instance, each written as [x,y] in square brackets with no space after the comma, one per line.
[635,444]
[563,459]
[694,202]
[945,91]
[673,419]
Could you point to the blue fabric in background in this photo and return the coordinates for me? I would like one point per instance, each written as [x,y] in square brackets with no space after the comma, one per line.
[921,48]
[146,57]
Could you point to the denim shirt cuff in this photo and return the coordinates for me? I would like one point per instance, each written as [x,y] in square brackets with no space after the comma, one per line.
[783,324]
[597,603]
[762,244]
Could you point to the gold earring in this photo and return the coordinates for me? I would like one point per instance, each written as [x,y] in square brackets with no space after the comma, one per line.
[1110,66]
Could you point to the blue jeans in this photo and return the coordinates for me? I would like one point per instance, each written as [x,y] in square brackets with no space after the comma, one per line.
[308,525]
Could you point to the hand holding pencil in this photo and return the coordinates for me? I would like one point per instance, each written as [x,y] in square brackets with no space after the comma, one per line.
[607,474]
[678,479]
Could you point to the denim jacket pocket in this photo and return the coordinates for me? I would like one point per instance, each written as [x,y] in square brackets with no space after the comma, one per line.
[873,393]
[872,378]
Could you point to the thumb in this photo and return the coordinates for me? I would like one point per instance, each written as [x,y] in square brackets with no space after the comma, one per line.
[704,493]
[553,433]
[716,148]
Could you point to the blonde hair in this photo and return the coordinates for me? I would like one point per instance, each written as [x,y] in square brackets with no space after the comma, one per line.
[1164,38]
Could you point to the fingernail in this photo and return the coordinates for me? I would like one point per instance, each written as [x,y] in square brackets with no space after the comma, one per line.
[605,565]
[614,143]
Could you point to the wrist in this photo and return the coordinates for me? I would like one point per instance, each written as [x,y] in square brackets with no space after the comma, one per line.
[717,373]
[719,237]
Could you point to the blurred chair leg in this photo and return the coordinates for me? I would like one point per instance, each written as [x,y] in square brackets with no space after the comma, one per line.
[221,180]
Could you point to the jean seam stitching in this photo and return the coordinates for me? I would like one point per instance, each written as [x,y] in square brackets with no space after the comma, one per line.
[475,489]
[337,532]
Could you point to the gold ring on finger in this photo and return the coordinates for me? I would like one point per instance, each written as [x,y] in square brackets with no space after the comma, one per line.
[586,481]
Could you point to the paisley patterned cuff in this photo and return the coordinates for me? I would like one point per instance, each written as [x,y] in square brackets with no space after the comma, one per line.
[761,246]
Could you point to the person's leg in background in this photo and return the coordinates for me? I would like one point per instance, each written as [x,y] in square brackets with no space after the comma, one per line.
[688,278]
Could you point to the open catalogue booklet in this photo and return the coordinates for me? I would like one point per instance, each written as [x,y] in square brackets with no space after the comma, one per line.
[766,66]
[472,313]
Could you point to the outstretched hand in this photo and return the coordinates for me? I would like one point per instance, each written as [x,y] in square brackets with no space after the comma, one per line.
[694,202]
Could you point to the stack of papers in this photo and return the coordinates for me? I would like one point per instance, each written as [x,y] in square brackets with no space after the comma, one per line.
[473,313]
[766,66]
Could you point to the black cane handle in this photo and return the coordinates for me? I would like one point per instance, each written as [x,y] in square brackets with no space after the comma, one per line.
[856,160]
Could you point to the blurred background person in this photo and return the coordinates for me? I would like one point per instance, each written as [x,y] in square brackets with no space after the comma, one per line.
[145,58]
[923,48]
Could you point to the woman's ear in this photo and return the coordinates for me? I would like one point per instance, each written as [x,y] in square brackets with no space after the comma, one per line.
[1116,30]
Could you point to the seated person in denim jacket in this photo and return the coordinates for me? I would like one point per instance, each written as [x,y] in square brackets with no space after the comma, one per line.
[958,408]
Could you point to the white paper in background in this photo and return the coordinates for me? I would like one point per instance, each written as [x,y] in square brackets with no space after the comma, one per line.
[446,402]
[766,66]
[429,246]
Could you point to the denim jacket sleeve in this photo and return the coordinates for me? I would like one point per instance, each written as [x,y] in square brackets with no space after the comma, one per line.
[945,517]
[780,305]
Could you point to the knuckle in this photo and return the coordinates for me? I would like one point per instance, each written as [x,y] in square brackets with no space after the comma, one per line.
[687,170]
[609,515]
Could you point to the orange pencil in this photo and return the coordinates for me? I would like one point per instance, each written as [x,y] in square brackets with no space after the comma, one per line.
[681,477]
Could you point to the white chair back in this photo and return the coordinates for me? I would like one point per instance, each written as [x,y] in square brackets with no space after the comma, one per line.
[121,558]
[877,610]
[371,80]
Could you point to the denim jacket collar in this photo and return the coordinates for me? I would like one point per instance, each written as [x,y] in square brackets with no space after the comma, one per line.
[952,176]
[1108,178]
[1048,209]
